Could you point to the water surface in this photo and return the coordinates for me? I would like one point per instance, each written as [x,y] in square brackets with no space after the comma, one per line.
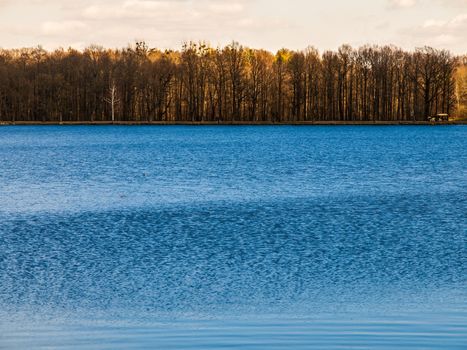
[233,237]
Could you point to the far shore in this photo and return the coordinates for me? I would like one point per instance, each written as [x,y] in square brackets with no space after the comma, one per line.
[235,123]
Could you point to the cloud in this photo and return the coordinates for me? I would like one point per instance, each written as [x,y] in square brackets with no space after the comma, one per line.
[157,9]
[52,28]
[398,4]
[456,25]
[162,23]
[402,3]
[449,33]
[261,23]
[226,8]
[456,3]
[129,9]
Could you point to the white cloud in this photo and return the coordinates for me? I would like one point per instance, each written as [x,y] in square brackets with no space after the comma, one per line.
[157,9]
[130,9]
[419,3]
[402,3]
[439,32]
[162,23]
[226,8]
[457,3]
[456,25]
[61,27]
[261,23]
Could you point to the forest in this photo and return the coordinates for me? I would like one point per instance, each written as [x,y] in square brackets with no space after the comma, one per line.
[228,84]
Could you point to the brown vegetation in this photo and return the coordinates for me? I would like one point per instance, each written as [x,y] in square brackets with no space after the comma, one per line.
[230,84]
[461,89]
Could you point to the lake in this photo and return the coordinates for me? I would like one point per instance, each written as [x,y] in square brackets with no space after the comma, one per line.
[273,237]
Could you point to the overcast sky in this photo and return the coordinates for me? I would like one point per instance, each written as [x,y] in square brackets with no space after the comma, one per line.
[269,24]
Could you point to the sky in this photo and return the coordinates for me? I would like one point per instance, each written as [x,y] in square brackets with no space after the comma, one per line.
[268,24]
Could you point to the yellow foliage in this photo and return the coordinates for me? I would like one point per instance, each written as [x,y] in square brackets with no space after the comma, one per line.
[283,56]
[461,92]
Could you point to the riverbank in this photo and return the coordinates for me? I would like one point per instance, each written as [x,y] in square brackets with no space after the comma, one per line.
[238,123]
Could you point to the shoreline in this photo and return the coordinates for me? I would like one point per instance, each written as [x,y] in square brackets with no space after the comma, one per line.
[231,123]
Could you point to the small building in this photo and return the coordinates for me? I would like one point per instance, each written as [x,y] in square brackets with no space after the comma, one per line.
[440,117]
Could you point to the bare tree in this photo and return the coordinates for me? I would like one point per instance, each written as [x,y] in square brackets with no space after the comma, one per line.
[112,99]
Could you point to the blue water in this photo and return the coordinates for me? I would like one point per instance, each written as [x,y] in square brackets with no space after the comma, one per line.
[233,237]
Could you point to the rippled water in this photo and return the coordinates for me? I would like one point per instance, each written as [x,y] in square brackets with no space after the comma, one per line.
[233,237]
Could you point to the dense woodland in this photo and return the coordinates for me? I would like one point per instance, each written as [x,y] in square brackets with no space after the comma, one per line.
[230,84]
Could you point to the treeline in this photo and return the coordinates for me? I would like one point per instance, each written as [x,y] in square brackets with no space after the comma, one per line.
[233,83]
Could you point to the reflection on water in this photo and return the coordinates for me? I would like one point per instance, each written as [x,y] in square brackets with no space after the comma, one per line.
[242,237]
